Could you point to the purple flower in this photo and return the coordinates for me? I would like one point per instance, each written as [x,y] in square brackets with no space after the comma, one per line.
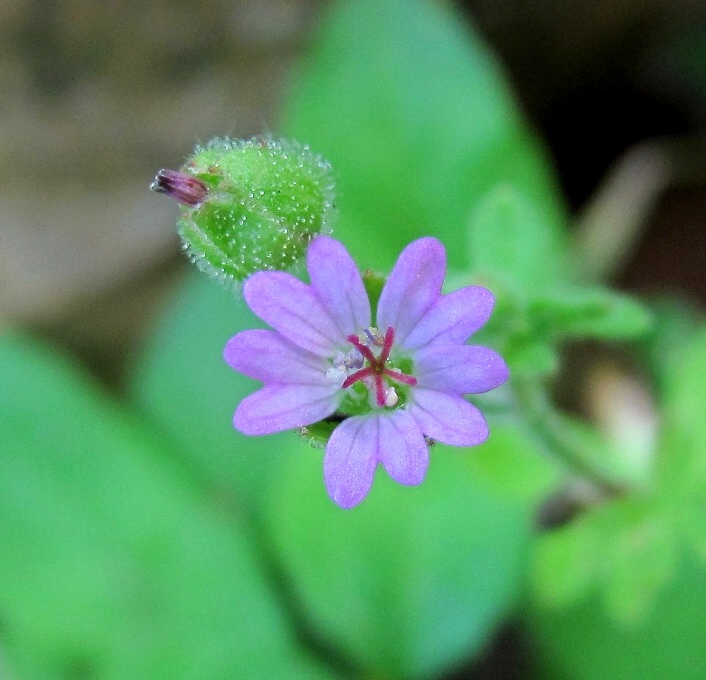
[394,383]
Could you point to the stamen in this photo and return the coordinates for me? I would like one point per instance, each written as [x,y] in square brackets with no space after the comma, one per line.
[365,351]
[372,337]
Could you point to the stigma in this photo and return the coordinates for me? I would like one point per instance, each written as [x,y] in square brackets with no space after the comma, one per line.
[374,372]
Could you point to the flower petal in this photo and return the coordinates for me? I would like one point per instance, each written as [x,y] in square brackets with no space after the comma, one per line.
[356,446]
[447,418]
[292,308]
[267,356]
[452,319]
[337,283]
[412,287]
[275,408]
[459,369]
[402,448]
[350,460]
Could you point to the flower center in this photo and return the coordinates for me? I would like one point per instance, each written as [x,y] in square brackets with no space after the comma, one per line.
[373,375]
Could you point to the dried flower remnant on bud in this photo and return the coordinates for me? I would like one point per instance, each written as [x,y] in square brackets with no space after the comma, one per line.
[183,188]
[381,397]
[250,205]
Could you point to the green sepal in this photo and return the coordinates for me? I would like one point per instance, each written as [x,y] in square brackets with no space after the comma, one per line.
[374,283]
[318,434]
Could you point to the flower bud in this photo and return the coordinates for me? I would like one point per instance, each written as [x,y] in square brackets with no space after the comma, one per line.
[250,205]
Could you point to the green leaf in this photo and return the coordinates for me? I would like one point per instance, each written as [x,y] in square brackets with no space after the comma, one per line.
[529,357]
[510,240]
[511,463]
[588,313]
[685,388]
[676,322]
[566,562]
[583,642]
[414,579]
[681,465]
[681,462]
[643,559]
[637,615]
[184,385]
[624,551]
[416,118]
[113,563]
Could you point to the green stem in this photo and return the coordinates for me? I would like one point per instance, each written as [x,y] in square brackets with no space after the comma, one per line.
[549,426]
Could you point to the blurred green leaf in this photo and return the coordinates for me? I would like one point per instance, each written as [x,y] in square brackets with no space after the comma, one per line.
[675,323]
[529,357]
[514,251]
[635,615]
[587,313]
[624,551]
[184,385]
[681,465]
[512,463]
[113,563]
[566,562]
[414,579]
[685,392]
[510,240]
[643,559]
[416,118]
[582,643]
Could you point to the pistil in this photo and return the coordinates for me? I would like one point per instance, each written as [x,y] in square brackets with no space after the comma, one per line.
[376,368]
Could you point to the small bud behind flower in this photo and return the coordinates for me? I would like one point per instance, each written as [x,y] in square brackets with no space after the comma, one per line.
[250,205]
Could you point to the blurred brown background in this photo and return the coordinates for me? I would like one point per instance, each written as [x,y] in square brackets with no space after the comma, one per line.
[96,96]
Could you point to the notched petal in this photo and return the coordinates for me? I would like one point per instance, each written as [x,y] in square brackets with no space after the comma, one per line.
[402,448]
[275,408]
[267,356]
[338,284]
[350,461]
[460,369]
[413,286]
[448,418]
[292,308]
[452,319]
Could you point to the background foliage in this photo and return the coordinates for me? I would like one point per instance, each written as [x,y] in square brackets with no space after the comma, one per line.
[142,537]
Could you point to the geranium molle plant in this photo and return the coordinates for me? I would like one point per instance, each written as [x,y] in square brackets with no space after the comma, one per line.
[392,384]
